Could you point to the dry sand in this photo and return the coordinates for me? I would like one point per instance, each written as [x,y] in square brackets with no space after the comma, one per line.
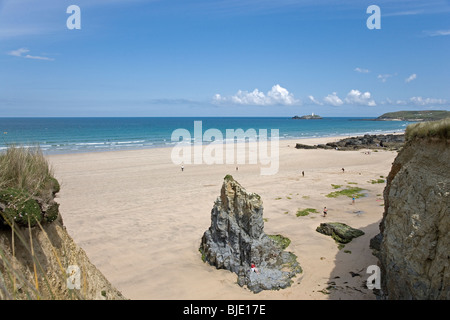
[140,219]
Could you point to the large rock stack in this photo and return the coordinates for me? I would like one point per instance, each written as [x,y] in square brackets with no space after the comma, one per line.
[414,243]
[236,240]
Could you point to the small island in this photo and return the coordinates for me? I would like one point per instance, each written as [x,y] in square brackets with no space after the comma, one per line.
[311,116]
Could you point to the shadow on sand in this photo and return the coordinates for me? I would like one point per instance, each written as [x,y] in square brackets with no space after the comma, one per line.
[348,279]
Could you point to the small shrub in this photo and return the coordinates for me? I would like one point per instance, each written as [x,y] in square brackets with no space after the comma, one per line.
[19,207]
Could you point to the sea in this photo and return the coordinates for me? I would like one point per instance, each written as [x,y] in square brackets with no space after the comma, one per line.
[72,135]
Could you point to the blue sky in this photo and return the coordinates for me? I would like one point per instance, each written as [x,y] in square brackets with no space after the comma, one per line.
[223,58]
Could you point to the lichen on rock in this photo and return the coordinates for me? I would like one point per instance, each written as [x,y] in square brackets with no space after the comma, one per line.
[236,240]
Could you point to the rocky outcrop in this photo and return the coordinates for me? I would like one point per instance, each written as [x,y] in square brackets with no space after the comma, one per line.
[236,240]
[379,141]
[340,232]
[414,243]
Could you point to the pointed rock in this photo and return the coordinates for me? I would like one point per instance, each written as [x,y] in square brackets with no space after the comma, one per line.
[236,240]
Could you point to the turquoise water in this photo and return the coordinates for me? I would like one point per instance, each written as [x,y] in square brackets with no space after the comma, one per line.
[67,135]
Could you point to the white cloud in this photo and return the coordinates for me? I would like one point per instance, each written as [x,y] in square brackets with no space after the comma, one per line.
[354,97]
[313,100]
[333,99]
[419,101]
[359,98]
[411,78]
[384,77]
[18,52]
[21,53]
[275,96]
[438,33]
[360,70]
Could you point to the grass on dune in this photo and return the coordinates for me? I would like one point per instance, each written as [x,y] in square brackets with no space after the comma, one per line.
[27,169]
[429,129]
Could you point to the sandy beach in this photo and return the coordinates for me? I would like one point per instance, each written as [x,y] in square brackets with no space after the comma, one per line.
[140,219]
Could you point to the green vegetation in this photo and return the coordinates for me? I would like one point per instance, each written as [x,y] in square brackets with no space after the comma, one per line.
[278,198]
[352,182]
[349,192]
[229,177]
[377,181]
[26,186]
[336,186]
[281,241]
[305,212]
[27,169]
[431,129]
[305,197]
[19,208]
[289,198]
[202,253]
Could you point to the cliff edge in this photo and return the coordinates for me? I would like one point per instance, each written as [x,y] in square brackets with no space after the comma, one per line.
[414,241]
[38,258]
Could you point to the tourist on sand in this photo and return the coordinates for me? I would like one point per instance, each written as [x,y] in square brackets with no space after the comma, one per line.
[343,170]
[254,269]
[325,210]
[353,199]
[303,173]
[182,167]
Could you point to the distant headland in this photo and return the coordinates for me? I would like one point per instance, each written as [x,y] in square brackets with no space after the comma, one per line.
[428,115]
[416,116]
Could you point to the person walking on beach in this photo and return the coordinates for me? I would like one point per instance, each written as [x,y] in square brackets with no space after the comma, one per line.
[182,168]
[343,170]
[353,199]
[325,211]
[303,173]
